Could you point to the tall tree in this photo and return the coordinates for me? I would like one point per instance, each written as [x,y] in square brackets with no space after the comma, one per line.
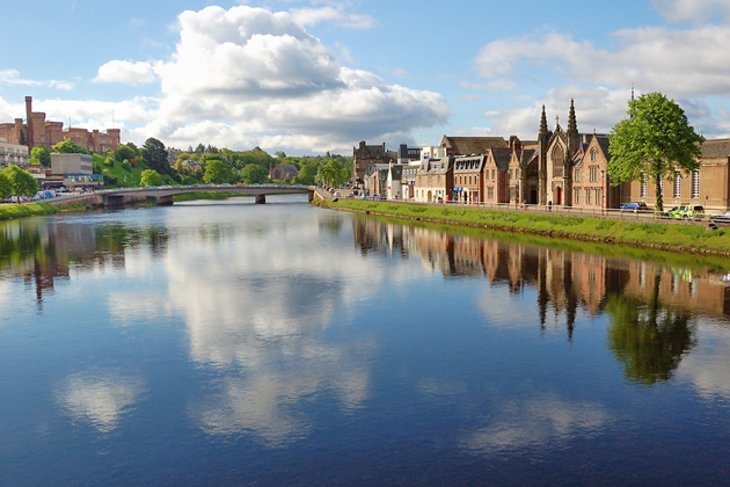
[217,172]
[253,174]
[40,155]
[656,140]
[150,177]
[6,186]
[69,147]
[155,155]
[22,182]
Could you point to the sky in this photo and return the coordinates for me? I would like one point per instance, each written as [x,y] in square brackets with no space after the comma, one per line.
[308,77]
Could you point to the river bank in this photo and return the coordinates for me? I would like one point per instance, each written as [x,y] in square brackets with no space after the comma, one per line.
[650,235]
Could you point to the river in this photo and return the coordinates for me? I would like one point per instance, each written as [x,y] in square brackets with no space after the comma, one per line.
[227,343]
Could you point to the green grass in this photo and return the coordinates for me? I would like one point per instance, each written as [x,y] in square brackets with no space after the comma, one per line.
[10,211]
[656,235]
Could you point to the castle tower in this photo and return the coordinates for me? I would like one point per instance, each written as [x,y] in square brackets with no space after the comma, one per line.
[29,136]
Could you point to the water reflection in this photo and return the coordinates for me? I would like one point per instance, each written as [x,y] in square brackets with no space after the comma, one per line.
[100,399]
[652,307]
[535,422]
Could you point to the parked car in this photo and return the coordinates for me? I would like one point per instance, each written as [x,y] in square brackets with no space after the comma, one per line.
[721,220]
[634,206]
[686,212]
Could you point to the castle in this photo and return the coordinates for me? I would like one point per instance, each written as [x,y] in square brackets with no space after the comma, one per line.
[39,131]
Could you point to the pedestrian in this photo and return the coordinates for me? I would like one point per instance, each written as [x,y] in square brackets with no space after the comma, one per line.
[550,205]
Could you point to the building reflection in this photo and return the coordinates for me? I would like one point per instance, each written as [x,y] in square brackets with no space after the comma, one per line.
[42,252]
[651,306]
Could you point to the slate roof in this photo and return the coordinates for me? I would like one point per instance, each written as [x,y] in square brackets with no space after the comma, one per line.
[502,155]
[396,172]
[471,145]
[716,148]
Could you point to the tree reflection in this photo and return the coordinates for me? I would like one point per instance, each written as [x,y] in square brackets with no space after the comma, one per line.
[648,339]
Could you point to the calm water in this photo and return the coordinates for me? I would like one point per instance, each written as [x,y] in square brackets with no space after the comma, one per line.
[232,343]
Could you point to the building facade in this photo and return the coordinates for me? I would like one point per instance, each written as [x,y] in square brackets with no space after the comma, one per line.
[14,154]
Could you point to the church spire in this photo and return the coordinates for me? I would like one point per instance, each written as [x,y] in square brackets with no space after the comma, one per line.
[543,124]
[573,137]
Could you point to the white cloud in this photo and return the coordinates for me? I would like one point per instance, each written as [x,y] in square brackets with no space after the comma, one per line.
[535,422]
[678,62]
[12,77]
[126,72]
[99,399]
[333,14]
[692,10]
[247,76]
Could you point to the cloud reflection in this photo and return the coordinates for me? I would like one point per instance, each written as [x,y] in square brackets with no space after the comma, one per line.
[536,422]
[99,399]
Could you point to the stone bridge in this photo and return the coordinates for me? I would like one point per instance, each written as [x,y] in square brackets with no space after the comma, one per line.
[163,195]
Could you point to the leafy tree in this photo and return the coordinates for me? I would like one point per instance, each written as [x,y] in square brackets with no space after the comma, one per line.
[39,155]
[217,172]
[655,140]
[254,174]
[155,155]
[332,173]
[150,177]
[22,182]
[307,174]
[125,151]
[6,186]
[69,147]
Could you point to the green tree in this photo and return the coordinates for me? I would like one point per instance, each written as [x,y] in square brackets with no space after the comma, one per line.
[6,186]
[307,174]
[124,151]
[39,155]
[155,155]
[656,140]
[646,338]
[69,147]
[254,174]
[150,177]
[217,172]
[22,182]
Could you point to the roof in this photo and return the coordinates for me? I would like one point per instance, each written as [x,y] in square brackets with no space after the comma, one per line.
[472,145]
[396,172]
[502,155]
[716,148]
[604,144]
[469,163]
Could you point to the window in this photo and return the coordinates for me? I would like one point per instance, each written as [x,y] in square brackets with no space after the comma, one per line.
[588,196]
[696,183]
[490,193]
[644,186]
[593,174]
[577,174]
[599,197]
[677,185]
[594,155]
[576,196]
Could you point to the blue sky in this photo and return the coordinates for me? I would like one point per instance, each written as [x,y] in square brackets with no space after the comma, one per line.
[312,76]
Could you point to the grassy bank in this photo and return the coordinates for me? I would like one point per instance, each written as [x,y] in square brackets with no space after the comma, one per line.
[9,211]
[665,236]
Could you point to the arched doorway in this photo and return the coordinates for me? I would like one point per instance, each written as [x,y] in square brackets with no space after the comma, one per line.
[558,195]
[428,198]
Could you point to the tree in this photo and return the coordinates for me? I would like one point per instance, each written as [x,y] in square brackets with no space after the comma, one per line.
[22,182]
[150,177]
[155,155]
[124,151]
[69,147]
[656,140]
[217,172]
[254,174]
[6,186]
[39,155]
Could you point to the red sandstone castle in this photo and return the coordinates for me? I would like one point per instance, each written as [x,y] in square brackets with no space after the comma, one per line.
[39,131]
